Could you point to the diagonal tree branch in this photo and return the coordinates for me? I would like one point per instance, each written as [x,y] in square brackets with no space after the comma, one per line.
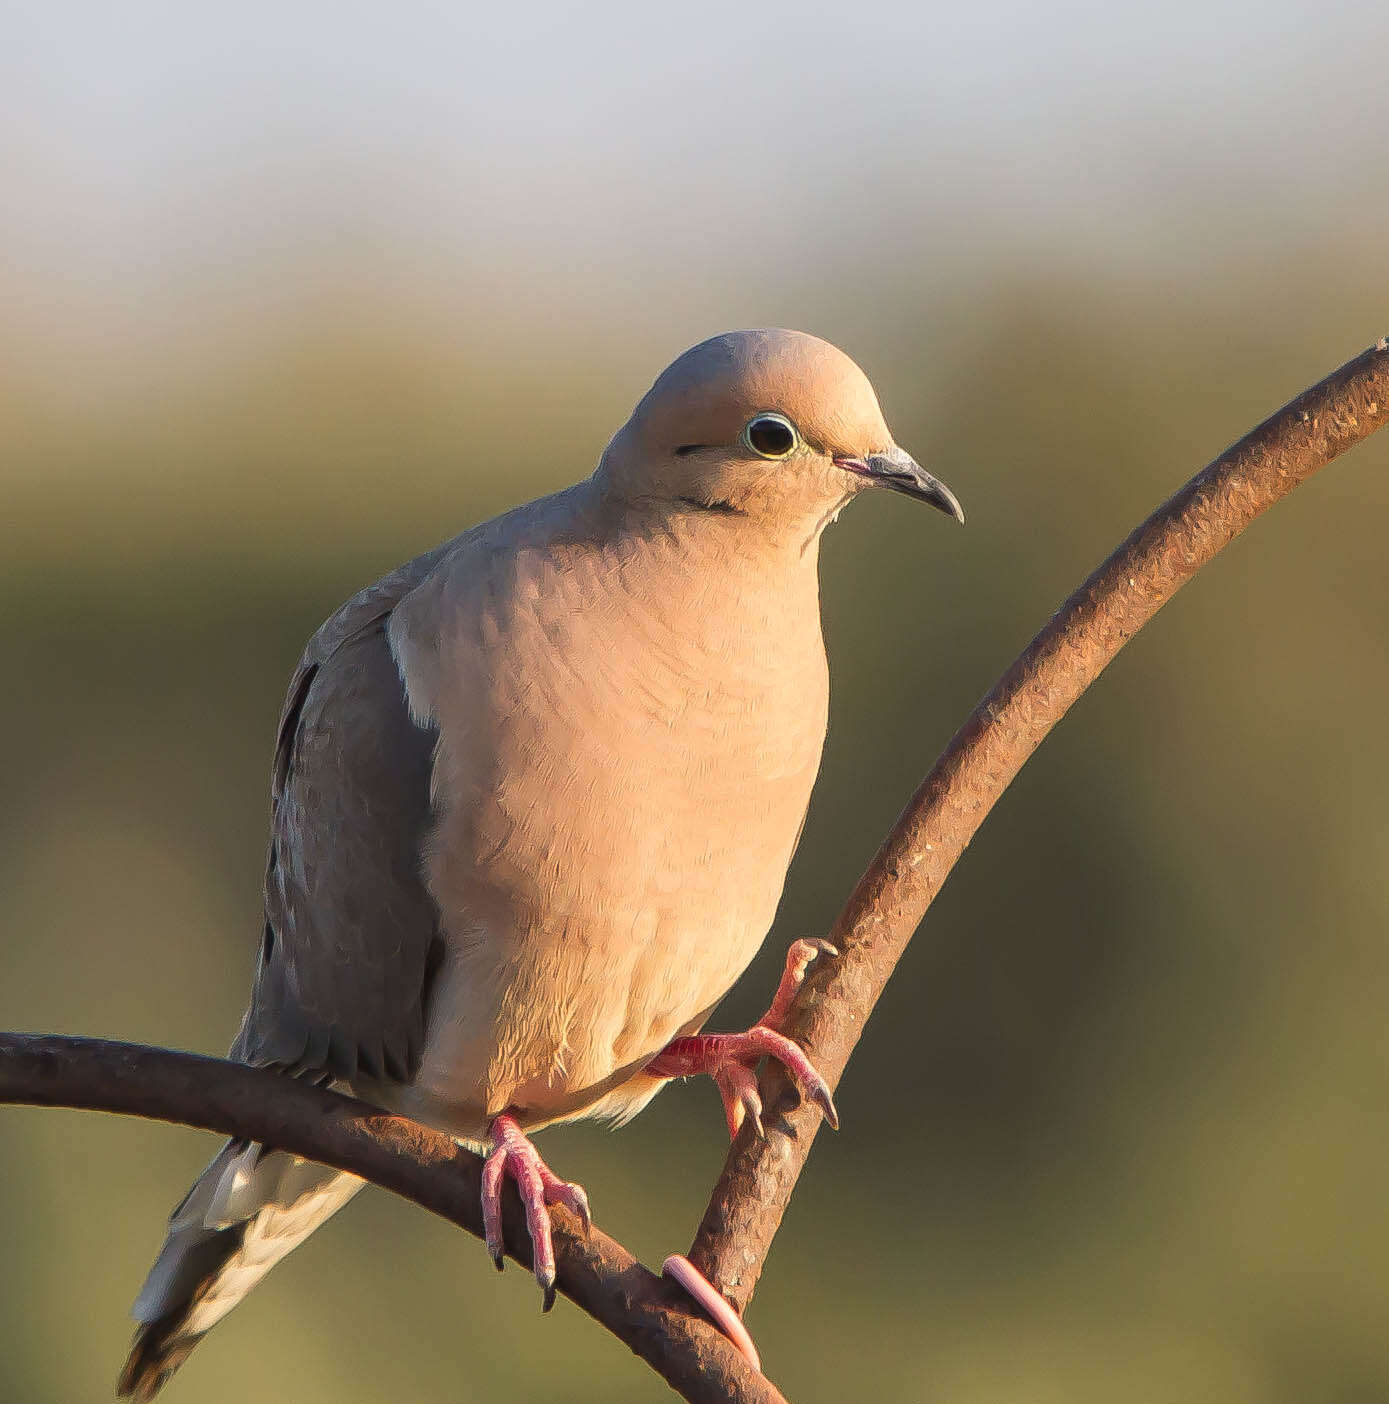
[1069,653]
[599,1275]
[652,1316]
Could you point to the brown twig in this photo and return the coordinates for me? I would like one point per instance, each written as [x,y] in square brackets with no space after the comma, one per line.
[980,762]
[652,1316]
[828,1015]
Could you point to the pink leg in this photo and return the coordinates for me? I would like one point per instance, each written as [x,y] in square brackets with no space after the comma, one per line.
[512,1154]
[729,1058]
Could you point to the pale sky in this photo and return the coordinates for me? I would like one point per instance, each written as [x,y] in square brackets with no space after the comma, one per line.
[164,160]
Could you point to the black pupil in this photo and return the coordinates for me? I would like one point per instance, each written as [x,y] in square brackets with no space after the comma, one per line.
[771,436]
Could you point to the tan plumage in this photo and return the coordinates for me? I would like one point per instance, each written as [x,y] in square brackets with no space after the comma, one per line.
[535,795]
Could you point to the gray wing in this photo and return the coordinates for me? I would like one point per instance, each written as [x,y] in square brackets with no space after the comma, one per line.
[351,935]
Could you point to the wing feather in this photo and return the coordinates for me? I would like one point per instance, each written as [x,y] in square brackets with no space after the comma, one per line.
[350,934]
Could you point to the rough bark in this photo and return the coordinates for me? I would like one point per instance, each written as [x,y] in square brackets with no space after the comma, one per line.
[652,1316]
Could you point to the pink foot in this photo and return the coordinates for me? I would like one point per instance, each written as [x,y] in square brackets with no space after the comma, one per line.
[512,1154]
[730,1058]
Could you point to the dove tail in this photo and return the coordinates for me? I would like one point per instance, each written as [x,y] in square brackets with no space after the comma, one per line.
[244,1213]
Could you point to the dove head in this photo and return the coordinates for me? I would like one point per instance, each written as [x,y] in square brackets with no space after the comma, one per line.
[776,427]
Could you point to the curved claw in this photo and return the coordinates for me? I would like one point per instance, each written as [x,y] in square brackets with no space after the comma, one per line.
[793,1058]
[737,1086]
[822,1099]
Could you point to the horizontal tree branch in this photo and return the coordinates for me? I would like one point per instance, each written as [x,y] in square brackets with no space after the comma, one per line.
[653,1316]
[1070,652]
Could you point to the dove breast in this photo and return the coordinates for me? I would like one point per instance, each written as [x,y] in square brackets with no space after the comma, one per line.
[630,717]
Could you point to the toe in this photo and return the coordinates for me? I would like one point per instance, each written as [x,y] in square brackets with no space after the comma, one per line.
[493,1169]
[793,1057]
[532,1190]
[573,1197]
[808,947]
[799,958]
[737,1086]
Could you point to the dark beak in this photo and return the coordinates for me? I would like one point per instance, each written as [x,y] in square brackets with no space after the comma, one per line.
[898,470]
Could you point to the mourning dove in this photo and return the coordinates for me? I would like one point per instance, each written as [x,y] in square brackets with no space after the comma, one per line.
[533,802]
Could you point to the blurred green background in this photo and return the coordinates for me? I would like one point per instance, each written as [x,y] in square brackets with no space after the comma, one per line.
[290,294]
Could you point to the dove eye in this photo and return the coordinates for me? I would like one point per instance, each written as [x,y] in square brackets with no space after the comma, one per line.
[771,435]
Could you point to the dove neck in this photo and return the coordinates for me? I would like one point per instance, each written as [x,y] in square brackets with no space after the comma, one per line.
[763,532]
